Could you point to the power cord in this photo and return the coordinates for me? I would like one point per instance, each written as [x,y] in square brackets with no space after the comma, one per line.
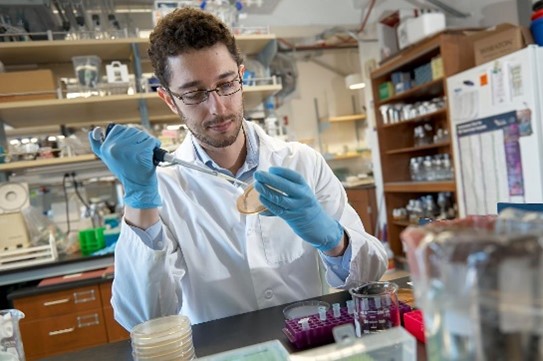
[88,210]
[76,187]
[66,176]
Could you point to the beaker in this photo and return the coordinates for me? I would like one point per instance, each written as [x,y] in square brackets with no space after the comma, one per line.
[478,282]
[376,307]
[11,343]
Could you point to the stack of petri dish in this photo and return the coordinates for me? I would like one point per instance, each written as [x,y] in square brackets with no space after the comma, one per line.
[163,339]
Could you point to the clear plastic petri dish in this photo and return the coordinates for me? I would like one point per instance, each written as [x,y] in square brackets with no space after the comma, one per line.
[248,202]
[304,309]
[149,350]
[161,330]
[167,356]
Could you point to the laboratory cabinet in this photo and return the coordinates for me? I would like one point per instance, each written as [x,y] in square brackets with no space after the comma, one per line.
[409,92]
[364,202]
[66,320]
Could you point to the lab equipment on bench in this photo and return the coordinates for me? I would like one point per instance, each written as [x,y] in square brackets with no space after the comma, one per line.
[304,309]
[394,344]
[268,351]
[11,343]
[479,284]
[310,323]
[376,307]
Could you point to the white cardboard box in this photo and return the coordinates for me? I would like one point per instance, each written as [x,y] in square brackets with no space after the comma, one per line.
[412,30]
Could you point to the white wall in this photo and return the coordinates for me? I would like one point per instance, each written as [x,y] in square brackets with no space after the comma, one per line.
[292,18]
[327,88]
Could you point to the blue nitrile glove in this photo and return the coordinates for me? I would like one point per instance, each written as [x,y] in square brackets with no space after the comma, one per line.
[299,207]
[128,153]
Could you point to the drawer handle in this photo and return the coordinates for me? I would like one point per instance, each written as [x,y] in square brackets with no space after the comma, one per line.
[56,302]
[89,320]
[60,332]
[81,297]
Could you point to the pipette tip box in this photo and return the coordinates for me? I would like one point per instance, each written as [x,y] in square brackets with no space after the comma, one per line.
[319,332]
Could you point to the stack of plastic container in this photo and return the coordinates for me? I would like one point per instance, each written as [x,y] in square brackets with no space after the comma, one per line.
[163,339]
[536,25]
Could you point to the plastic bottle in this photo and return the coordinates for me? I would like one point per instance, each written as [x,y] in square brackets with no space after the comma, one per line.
[271,122]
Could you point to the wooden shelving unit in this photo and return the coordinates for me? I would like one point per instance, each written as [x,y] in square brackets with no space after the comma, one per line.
[347,118]
[45,115]
[24,164]
[106,109]
[396,140]
[62,51]
[409,122]
[344,156]
[420,148]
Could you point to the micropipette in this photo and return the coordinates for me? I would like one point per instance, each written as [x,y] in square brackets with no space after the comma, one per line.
[161,155]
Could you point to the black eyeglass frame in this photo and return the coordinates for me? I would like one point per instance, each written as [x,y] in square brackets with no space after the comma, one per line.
[208,91]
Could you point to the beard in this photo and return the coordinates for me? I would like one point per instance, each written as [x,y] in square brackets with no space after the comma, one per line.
[202,134]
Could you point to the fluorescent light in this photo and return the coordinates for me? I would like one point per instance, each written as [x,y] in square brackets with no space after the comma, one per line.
[354,81]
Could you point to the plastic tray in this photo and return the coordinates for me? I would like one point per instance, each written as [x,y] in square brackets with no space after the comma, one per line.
[319,333]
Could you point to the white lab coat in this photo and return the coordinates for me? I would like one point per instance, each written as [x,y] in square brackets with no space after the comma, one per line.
[216,262]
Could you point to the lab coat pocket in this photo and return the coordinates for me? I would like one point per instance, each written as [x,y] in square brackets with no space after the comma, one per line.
[280,244]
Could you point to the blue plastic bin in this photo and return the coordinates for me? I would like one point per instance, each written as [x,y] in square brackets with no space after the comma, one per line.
[537,31]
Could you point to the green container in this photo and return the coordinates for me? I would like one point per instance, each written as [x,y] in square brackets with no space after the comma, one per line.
[91,240]
[386,90]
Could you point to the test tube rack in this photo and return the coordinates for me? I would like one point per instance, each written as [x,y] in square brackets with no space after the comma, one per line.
[319,332]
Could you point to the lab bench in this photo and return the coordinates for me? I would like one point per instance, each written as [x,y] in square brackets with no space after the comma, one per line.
[224,334]
[65,264]
[53,310]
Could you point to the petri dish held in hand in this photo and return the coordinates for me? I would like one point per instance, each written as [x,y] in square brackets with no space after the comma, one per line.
[248,202]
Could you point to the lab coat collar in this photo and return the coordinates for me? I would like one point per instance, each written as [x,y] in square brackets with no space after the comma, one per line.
[269,147]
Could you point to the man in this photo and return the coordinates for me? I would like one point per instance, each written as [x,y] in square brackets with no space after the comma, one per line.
[184,247]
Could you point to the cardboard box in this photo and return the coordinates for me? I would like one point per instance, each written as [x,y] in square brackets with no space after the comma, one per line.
[27,85]
[498,41]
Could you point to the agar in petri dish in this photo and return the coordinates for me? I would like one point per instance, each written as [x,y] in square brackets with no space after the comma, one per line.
[304,309]
[248,202]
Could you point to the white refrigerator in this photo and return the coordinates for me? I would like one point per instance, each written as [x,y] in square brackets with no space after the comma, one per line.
[496,112]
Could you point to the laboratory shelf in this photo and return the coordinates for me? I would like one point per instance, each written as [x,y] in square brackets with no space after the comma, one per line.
[420,187]
[438,114]
[419,148]
[36,163]
[347,118]
[62,51]
[426,91]
[343,156]
[106,109]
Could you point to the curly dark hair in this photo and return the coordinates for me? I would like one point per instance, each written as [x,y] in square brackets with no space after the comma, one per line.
[184,30]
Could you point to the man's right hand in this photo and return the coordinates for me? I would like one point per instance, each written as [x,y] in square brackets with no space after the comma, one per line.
[128,153]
